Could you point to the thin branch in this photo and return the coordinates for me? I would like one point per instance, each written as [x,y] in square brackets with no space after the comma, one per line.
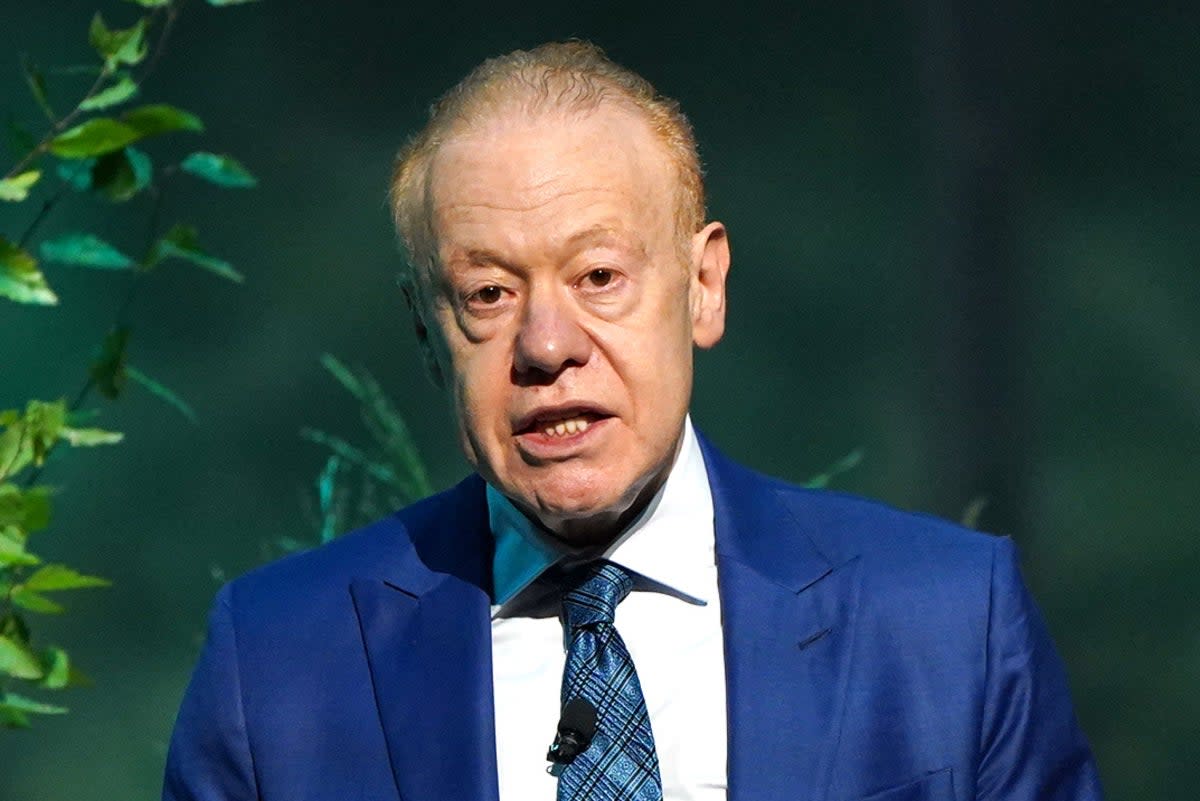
[59,126]
[139,275]
[47,206]
[172,14]
[173,11]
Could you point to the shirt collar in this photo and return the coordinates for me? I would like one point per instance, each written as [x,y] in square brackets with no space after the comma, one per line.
[667,548]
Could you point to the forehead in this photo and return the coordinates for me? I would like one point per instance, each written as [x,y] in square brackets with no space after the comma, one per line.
[556,173]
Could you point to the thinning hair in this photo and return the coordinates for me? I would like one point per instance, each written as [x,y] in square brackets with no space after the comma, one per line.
[573,76]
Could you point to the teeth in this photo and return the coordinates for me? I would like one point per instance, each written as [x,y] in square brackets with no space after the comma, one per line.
[575,425]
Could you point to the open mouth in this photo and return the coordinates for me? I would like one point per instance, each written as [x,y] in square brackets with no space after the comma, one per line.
[561,423]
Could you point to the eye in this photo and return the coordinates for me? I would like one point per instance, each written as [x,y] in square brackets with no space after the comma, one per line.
[601,284]
[599,278]
[487,296]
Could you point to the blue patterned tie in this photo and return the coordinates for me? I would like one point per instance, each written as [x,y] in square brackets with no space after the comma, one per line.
[621,763]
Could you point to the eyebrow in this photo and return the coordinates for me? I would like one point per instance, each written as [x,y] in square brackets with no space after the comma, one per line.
[462,257]
[593,236]
[481,257]
[600,235]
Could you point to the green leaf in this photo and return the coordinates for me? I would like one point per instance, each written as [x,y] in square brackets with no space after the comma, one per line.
[61,577]
[14,627]
[28,509]
[12,536]
[20,278]
[122,174]
[22,704]
[37,86]
[12,549]
[181,242]
[387,428]
[161,392]
[344,450]
[124,88]
[846,463]
[973,511]
[17,188]
[326,496]
[85,250]
[11,533]
[12,719]
[77,173]
[150,3]
[43,422]
[160,119]
[12,554]
[17,660]
[90,437]
[37,509]
[94,138]
[29,437]
[343,374]
[32,601]
[15,451]
[288,545]
[108,370]
[221,170]
[12,506]
[126,46]
[57,665]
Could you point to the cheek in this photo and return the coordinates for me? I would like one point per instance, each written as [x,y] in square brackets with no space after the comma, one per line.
[670,338]
[480,399]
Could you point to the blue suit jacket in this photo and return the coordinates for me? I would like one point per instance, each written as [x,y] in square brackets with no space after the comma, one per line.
[870,654]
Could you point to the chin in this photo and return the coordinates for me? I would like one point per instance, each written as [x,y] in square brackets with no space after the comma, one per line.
[577,504]
[570,503]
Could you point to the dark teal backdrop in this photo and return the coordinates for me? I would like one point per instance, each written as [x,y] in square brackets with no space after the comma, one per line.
[964,241]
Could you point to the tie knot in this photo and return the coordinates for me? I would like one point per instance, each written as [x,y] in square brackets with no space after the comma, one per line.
[594,595]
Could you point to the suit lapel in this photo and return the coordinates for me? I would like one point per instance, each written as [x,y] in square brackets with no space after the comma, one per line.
[426,630]
[788,613]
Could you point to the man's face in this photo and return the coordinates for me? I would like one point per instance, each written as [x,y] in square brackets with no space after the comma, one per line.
[565,310]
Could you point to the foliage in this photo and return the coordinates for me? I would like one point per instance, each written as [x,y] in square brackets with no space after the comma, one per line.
[88,151]
[843,465]
[358,485]
[28,437]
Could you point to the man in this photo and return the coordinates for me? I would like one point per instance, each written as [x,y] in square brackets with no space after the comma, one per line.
[777,643]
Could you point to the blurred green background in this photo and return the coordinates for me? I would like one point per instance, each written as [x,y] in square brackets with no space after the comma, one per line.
[965,240]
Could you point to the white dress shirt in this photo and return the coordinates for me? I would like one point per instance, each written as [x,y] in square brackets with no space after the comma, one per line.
[671,624]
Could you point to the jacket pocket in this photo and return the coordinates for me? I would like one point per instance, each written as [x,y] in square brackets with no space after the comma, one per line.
[936,786]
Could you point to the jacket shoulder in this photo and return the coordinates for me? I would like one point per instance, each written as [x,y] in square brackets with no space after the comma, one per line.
[906,554]
[390,545]
[844,523]
[841,525]
[925,579]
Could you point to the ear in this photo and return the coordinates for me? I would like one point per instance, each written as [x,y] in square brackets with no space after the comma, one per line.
[428,352]
[710,266]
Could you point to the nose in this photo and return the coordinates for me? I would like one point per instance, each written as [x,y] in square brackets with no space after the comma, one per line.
[550,338]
